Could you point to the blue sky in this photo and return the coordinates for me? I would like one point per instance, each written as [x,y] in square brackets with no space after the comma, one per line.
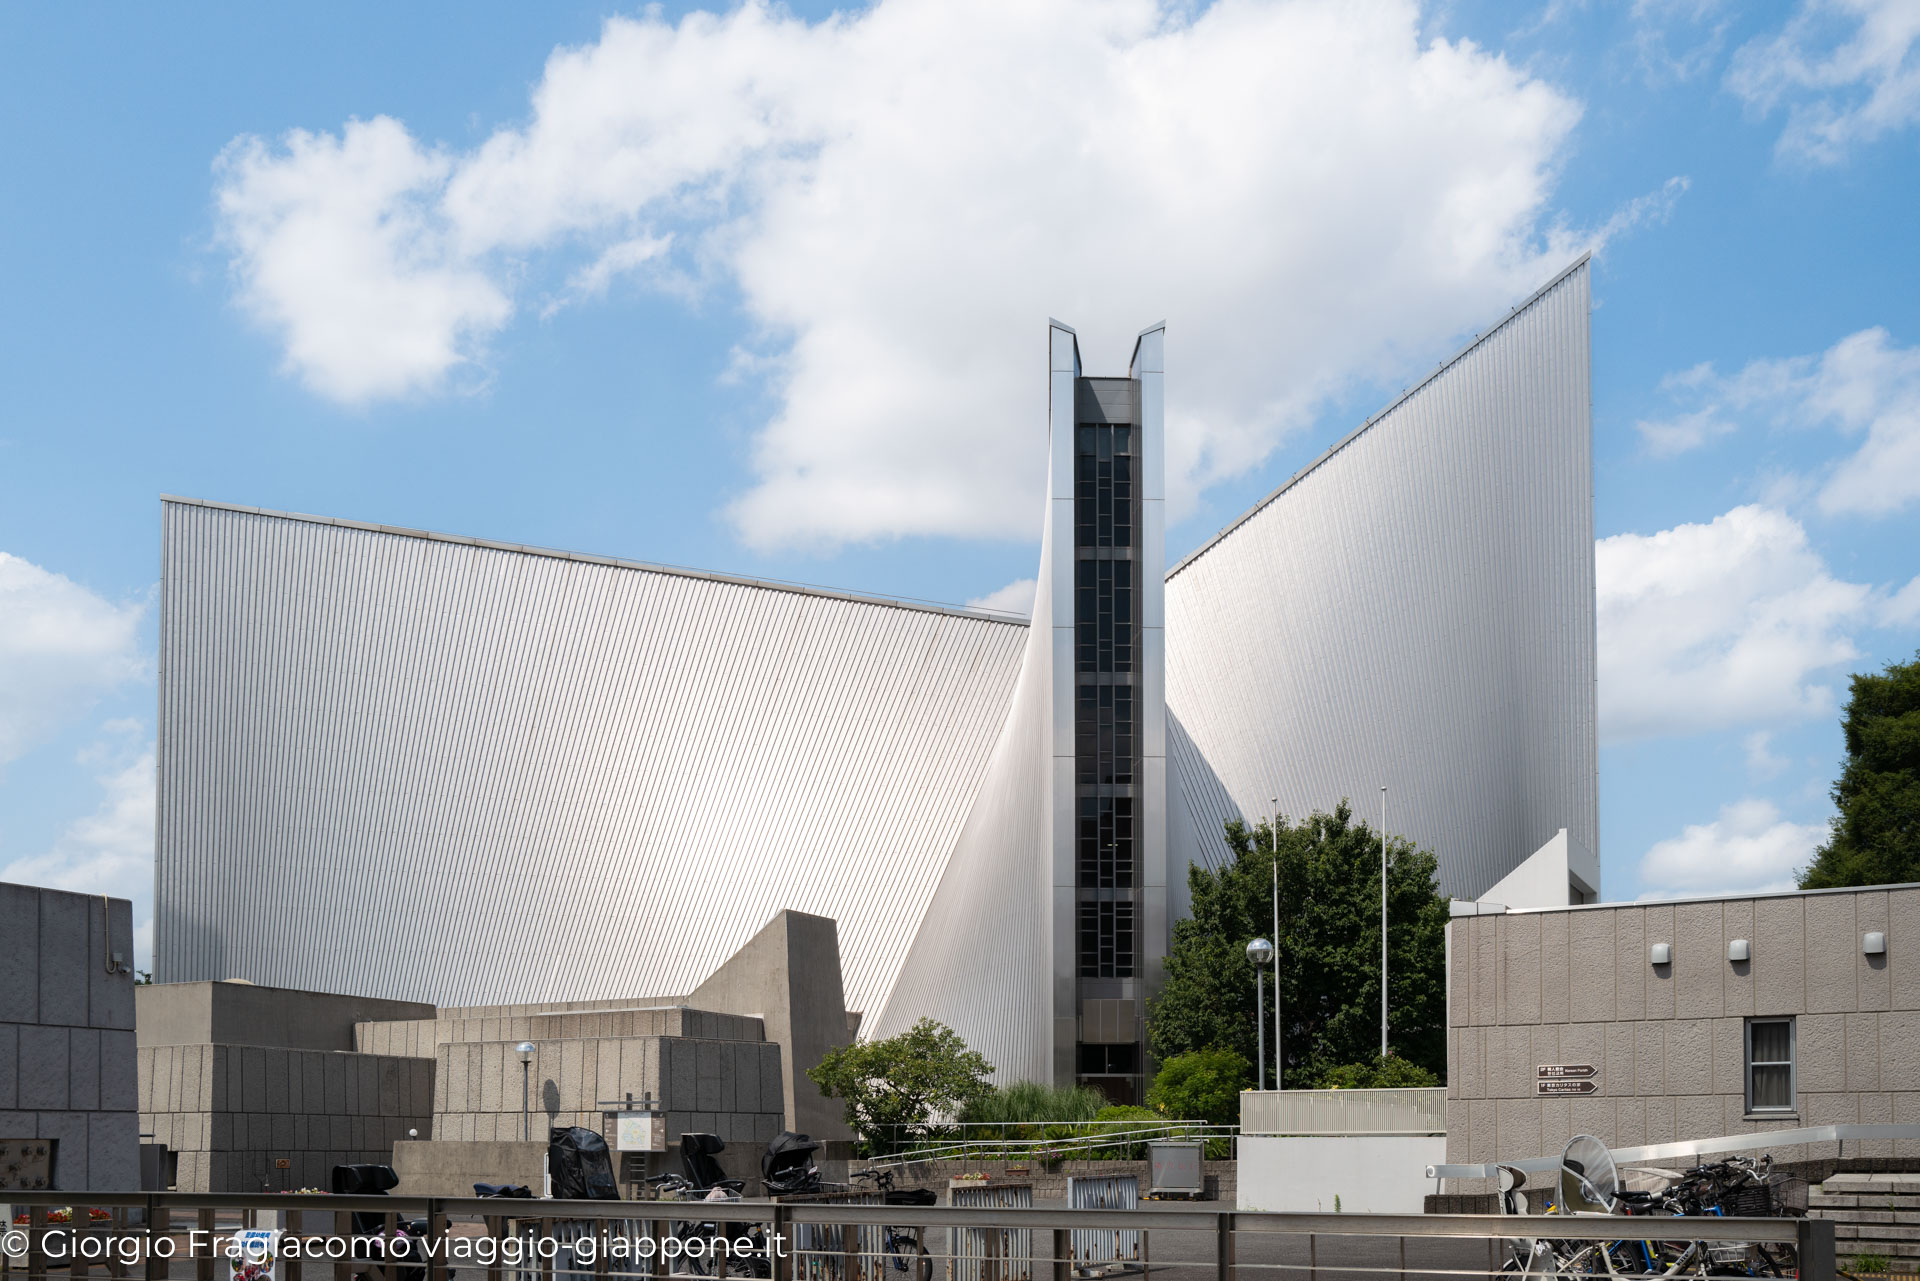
[746,291]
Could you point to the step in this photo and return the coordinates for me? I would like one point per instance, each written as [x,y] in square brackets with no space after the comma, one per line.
[1878,1200]
[1869,1216]
[1898,1184]
[1875,1232]
[1853,1195]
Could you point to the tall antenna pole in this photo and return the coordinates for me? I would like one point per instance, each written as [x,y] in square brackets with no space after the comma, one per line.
[1383,920]
[1279,1058]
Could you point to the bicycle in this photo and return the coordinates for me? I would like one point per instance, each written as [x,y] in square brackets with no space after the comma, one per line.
[904,1248]
[704,1260]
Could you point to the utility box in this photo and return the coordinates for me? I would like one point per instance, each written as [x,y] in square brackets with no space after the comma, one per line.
[1175,1170]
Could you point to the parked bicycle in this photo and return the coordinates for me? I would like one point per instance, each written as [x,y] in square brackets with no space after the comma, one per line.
[1589,1185]
[905,1250]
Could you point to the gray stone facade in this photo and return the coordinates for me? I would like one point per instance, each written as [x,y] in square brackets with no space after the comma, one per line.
[236,1078]
[711,1073]
[231,1113]
[67,1068]
[1667,1042]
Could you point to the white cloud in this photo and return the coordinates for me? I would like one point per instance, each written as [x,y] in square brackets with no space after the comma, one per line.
[1677,40]
[1667,437]
[61,646]
[1903,607]
[1708,626]
[1015,598]
[1762,761]
[1846,71]
[899,197]
[338,249]
[1863,386]
[1749,848]
[108,852]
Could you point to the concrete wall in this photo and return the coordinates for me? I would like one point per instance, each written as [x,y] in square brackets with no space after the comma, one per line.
[729,1088]
[423,1037]
[1369,1173]
[67,1067]
[1575,986]
[231,1112]
[451,1169]
[230,1013]
[789,975]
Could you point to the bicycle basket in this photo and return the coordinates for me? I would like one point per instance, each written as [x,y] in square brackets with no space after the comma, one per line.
[1753,1201]
[1732,1252]
[913,1196]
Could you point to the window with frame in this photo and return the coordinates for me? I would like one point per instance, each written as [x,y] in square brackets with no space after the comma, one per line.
[1770,1044]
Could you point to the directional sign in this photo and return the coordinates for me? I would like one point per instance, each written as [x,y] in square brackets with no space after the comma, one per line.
[1565,1087]
[1565,1071]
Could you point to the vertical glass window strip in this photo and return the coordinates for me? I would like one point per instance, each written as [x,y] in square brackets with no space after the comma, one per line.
[1770,1065]
[1106,940]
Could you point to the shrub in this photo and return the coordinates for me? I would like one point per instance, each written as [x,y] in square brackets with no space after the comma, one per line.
[1390,1073]
[1201,1085]
[1121,1119]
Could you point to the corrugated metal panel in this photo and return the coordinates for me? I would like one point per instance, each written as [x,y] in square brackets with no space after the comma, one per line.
[428,767]
[982,960]
[1417,610]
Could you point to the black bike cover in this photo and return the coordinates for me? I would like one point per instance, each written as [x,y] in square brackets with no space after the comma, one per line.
[582,1170]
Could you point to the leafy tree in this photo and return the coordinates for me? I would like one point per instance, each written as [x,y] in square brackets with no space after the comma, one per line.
[1201,1085]
[892,1088]
[1328,951]
[1389,1073]
[1876,836]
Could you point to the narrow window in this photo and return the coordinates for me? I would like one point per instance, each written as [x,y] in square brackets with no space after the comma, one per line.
[1769,1065]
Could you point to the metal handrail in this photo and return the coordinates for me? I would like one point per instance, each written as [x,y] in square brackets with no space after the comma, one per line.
[1570,1227]
[1812,1239]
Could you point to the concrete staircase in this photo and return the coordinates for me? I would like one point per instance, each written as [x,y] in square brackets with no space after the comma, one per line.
[1871,1214]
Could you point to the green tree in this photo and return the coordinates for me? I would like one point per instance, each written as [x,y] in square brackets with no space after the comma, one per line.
[1876,836]
[1329,949]
[1201,1085]
[892,1088]
[1390,1073]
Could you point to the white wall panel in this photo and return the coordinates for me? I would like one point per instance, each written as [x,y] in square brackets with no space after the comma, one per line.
[415,766]
[1415,609]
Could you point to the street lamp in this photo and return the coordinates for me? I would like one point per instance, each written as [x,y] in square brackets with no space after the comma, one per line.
[1279,1043]
[525,1050]
[1260,952]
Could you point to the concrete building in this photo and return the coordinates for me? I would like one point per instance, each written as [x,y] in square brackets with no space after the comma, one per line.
[638,764]
[67,1068]
[1651,1023]
[236,1080]
[250,1088]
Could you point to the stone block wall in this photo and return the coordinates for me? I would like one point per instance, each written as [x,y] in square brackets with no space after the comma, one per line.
[1668,1042]
[539,1022]
[230,1113]
[67,1067]
[727,1087]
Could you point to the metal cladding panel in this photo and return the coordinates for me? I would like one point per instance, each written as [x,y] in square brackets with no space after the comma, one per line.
[413,766]
[1414,610]
[983,961]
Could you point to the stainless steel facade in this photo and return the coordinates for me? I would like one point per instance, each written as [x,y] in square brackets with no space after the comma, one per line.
[1414,609]
[403,764]
[396,764]
[1002,955]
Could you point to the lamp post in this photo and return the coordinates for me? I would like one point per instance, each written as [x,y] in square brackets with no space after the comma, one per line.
[1279,1046]
[525,1050]
[1383,920]
[1260,952]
